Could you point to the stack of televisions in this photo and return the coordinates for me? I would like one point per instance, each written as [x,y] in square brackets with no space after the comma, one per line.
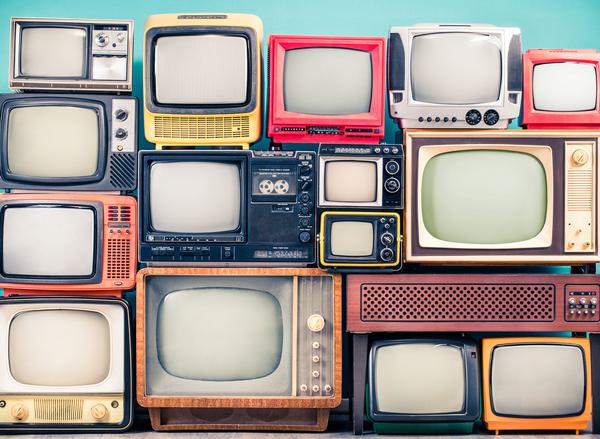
[238,313]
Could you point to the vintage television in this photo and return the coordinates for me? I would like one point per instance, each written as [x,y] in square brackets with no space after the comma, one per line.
[536,383]
[326,89]
[227,208]
[71,54]
[68,142]
[561,89]
[454,76]
[66,365]
[423,385]
[361,176]
[430,304]
[67,243]
[355,240]
[501,197]
[202,79]
[239,349]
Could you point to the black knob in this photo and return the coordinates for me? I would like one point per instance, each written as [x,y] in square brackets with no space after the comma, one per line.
[437,119]
[304,210]
[429,119]
[304,222]
[121,133]
[446,119]
[387,239]
[304,237]
[305,198]
[473,117]
[392,185]
[454,119]
[392,167]
[386,254]
[421,119]
[304,170]
[491,117]
[121,114]
[305,185]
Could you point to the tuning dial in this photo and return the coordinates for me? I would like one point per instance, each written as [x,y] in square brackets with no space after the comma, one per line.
[386,254]
[582,301]
[101,39]
[121,114]
[579,157]
[392,167]
[19,411]
[392,185]
[304,237]
[121,133]
[572,301]
[593,301]
[473,117]
[120,37]
[491,117]
[315,323]
[387,239]
[99,411]
[304,170]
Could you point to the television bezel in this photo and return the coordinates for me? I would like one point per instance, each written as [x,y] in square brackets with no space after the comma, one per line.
[377,160]
[127,345]
[278,116]
[471,408]
[533,118]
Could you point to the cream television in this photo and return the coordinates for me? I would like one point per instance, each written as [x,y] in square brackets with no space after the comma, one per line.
[71,54]
[65,365]
[501,197]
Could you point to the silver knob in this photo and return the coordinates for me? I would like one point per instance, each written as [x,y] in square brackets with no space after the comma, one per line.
[101,39]
[120,37]
[316,345]
[316,359]
[315,373]
[315,388]
[327,388]
[303,387]
[572,301]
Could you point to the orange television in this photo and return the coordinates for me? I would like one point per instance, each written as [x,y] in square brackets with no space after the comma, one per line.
[67,243]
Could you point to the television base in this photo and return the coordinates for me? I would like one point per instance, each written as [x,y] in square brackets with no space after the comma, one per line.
[236,147]
[238,419]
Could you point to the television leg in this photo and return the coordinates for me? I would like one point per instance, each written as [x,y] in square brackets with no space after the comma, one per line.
[360,345]
[583,269]
[595,348]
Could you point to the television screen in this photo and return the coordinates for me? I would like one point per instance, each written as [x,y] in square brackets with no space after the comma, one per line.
[537,380]
[195,197]
[484,196]
[566,86]
[327,81]
[201,69]
[53,52]
[53,141]
[351,238]
[59,347]
[351,181]
[48,241]
[456,68]
[219,334]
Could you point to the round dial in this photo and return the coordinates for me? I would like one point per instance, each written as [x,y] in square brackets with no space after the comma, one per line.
[392,167]
[387,239]
[304,237]
[19,411]
[99,411]
[579,157]
[315,322]
[473,117]
[386,254]
[121,114]
[121,133]
[101,39]
[392,185]
[491,117]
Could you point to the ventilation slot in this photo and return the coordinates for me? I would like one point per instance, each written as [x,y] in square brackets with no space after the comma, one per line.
[122,171]
[121,214]
[580,190]
[119,253]
[460,303]
[188,127]
[58,409]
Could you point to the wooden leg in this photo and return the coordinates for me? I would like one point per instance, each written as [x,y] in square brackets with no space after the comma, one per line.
[360,349]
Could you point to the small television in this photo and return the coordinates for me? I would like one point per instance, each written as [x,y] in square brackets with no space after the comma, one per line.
[354,240]
[66,365]
[67,243]
[561,89]
[423,385]
[361,176]
[238,348]
[202,79]
[454,76]
[68,142]
[536,383]
[227,208]
[501,197]
[326,89]
[71,54]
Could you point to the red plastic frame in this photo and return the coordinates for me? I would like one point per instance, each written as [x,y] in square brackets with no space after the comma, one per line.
[535,119]
[279,118]
[108,286]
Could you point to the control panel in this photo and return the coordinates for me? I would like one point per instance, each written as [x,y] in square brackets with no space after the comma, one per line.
[124,119]
[581,302]
[473,117]
[110,52]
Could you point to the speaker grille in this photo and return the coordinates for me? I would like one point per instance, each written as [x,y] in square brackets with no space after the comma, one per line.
[212,127]
[54,409]
[118,258]
[580,190]
[122,171]
[457,302]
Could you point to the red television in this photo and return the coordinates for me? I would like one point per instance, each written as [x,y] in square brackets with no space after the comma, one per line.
[561,89]
[326,89]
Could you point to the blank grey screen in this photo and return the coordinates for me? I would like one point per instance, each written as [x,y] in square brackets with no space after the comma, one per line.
[201,69]
[456,68]
[48,241]
[419,378]
[195,197]
[564,86]
[327,81]
[538,380]
[219,334]
[350,181]
[53,52]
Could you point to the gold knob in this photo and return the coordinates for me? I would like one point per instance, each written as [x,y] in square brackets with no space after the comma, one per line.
[19,411]
[99,411]
[316,323]
[579,157]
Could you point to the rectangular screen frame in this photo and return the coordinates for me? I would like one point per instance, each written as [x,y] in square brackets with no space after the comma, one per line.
[323,160]
[531,118]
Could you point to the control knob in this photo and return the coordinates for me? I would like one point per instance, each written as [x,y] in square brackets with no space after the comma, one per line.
[392,167]
[120,37]
[316,322]
[304,237]
[101,39]
[579,157]
[99,411]
[121,133]
[386,254]
[392,185]
[387,239]
[473,117]
[491,117]
[121,114]
[19,411]
[304,170]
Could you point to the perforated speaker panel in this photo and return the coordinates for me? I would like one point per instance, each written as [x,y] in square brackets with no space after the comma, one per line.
[212,127]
